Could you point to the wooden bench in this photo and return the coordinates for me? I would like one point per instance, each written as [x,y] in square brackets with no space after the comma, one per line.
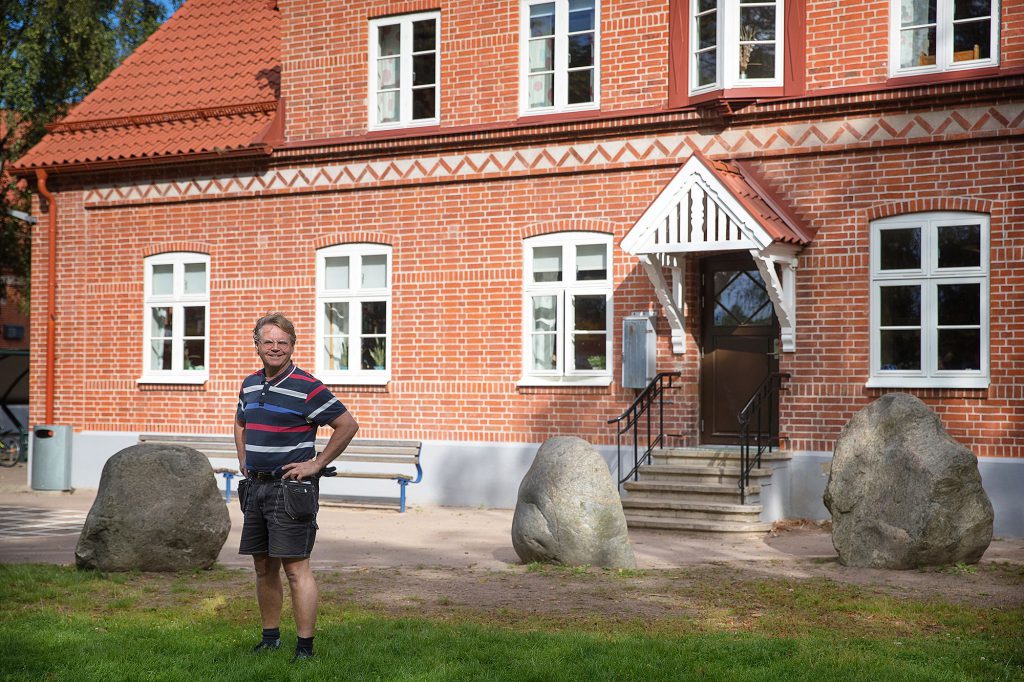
[387,454]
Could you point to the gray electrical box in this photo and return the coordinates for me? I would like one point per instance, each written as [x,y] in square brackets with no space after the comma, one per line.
[639,351]
[51,457]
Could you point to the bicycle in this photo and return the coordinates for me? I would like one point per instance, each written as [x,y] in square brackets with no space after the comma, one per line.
[10,449]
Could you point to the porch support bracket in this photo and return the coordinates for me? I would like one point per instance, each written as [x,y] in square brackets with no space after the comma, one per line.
[781,285]
[670,296]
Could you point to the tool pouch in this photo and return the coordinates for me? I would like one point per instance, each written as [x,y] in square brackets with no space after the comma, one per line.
[243,493]
[300,499]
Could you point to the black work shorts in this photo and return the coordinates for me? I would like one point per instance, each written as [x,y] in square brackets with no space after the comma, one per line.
[273,525]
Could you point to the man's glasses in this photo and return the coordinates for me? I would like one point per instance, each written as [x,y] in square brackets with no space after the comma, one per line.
[267,344]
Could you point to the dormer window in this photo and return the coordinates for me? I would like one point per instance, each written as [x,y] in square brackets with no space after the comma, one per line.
[735,44]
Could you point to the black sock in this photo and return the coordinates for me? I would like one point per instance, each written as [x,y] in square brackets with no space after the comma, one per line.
[304,644]
[272,635]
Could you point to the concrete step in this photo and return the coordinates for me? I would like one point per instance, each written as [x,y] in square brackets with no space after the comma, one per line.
[732,528]
[692,492]
[708,511]
[700,474]
[713,456]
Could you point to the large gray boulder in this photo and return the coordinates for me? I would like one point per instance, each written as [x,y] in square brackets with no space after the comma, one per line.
[157,509]
[903,493]
[569,510]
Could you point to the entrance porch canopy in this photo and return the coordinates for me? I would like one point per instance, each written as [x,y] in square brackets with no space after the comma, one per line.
[714,206]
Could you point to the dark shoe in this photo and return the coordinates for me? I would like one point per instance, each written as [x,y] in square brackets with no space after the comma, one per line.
[267,646]
[301,655]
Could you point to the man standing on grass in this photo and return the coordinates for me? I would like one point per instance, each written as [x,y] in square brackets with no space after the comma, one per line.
[279,410]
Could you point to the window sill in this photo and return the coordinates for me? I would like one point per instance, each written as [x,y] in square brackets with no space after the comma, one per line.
[353,379]
[533,381]
[175,379]
[921,382]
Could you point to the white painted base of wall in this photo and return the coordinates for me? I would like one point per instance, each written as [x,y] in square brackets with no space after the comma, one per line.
[463,474]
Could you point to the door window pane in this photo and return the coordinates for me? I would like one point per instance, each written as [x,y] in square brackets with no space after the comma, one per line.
[741,299]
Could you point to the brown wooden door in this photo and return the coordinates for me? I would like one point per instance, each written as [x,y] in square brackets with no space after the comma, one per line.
[739,335]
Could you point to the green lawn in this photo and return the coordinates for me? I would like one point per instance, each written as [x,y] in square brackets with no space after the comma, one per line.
[61,624]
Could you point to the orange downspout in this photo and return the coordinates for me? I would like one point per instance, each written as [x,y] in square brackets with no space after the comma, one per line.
[51,294]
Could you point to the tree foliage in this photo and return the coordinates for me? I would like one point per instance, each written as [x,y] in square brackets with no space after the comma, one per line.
[52,54]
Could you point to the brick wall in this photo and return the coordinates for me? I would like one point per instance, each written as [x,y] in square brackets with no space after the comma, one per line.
[840,194]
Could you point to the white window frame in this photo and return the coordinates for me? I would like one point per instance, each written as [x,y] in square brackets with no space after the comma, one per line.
[177,301]
[564,290]
[943,41]
[929,276]
[728,47]
[405,119]
[354,296]
[561,66]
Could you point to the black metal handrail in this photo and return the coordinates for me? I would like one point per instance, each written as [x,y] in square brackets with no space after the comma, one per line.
[761,406]
[630,420]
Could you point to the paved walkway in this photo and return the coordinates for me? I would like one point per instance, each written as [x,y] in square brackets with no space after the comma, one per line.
[41,526]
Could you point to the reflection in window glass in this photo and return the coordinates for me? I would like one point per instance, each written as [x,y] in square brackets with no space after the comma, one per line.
[959,246]
[375,272]
[336,272]
[547,264]
[901,249]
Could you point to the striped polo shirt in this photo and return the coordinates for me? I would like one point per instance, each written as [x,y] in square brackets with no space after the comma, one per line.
[281,417]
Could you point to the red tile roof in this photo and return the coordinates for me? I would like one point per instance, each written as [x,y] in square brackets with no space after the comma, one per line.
[206,81]
[770,212]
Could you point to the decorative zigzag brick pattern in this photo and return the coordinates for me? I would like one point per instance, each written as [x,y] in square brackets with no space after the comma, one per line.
[877,130]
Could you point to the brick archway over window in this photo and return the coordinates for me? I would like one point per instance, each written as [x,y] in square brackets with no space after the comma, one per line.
[960,204]
[355,238]
[177,247]
[551,227]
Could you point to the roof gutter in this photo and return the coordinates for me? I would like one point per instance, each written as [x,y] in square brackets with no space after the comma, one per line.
[51,294]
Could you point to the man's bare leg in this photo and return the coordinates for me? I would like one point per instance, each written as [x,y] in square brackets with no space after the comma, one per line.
[269,590]
[304,595]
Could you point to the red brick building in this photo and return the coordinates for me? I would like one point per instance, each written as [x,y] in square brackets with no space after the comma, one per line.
[459,203]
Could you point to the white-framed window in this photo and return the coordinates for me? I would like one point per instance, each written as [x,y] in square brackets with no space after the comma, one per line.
[930,301]
[560,54]
[353,319]
[735,44]
[942,35]
[176,339]
[567,309]
[405,71]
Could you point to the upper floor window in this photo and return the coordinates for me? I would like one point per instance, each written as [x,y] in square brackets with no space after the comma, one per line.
[735,43]
[930,301]
[353,323]
[560,54]
[567,309]
[405,71]
[177,318]
[941,35]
